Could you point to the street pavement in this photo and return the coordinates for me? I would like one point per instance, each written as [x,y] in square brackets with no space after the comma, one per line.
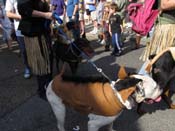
[22,110]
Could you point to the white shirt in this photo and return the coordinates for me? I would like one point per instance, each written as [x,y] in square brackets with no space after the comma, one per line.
[5,22]
[11,6]
[86,5]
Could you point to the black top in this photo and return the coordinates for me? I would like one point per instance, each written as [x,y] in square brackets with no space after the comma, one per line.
[32,26]
[115,22]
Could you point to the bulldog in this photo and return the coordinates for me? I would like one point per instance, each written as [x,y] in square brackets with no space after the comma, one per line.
[161,67]
[101,100]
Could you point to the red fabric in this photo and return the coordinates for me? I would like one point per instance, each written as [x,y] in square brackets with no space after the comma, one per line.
[143,16]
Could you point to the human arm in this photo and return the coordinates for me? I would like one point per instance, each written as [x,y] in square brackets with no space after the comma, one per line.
[75,9]
[46,15]
[13,15]
[25,10]
[91,3]
[121,26]
[76,3]
[11,10]
[167,4]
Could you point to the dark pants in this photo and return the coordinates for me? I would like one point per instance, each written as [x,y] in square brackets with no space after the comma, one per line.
[21,43]
[43,81]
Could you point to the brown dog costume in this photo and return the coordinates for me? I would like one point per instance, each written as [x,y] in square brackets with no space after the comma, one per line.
[98,98]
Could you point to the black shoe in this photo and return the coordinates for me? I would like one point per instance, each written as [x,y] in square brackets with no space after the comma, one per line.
[118,53]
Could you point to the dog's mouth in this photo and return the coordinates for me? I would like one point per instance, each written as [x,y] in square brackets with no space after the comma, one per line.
[151,101]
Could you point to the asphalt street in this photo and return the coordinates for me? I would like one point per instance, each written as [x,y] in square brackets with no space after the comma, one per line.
[22,110]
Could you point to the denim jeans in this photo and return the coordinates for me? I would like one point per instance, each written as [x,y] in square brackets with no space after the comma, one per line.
[142,70]
[21,43]
[116,42]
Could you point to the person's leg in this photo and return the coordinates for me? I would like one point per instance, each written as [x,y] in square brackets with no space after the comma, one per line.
[119,35]
[27,72]
[82,25]
[114,44]
[43,81]
[95,24]
[117,39]
[138,39]
[7,37]
[107,40]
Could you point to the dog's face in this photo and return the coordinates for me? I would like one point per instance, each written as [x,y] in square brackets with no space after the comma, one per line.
[147,90]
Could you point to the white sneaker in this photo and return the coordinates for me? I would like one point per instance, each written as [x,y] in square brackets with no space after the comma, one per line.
[102,42]
[94,31]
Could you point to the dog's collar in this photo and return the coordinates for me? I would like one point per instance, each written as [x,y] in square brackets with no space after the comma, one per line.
[126,103]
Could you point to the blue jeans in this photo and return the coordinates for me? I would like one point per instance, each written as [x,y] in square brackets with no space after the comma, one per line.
[21,43]
[116,42]
[142,70]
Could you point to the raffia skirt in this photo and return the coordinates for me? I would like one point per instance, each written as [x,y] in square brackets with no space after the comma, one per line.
[163,37]
[38,56]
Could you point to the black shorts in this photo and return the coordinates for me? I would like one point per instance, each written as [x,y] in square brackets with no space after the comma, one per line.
[88,12]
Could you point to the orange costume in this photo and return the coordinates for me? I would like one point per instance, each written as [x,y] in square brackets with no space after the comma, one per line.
[98,98]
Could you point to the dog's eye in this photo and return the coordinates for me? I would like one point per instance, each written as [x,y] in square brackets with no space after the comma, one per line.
[140,89]
[140,84]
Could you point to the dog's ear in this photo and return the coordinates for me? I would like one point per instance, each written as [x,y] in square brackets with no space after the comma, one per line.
[122,73]
[127,92]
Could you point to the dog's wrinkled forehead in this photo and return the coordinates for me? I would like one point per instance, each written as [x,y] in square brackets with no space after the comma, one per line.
[147,81]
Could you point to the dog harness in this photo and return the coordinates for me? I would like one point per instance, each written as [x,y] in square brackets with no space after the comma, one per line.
[149,65]
[98,98]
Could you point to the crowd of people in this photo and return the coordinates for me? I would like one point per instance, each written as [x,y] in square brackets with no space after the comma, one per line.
[107,16]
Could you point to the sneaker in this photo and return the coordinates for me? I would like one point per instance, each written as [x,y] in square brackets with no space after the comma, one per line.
[118,53]
[102,42]
[27,73]
[94,31]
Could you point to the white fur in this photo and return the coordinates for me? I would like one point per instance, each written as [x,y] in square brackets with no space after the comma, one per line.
[151,88]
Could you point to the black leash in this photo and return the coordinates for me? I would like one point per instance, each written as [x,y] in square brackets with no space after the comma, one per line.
[81,52]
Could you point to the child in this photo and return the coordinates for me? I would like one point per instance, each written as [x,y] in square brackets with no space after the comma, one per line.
[115,29]
[105,26]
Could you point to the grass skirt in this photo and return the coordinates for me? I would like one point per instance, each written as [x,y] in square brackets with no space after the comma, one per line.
[163,37]
[38,55]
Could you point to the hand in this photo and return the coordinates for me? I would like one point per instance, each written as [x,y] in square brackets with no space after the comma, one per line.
[110,33]
[73,17]
[48,15]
